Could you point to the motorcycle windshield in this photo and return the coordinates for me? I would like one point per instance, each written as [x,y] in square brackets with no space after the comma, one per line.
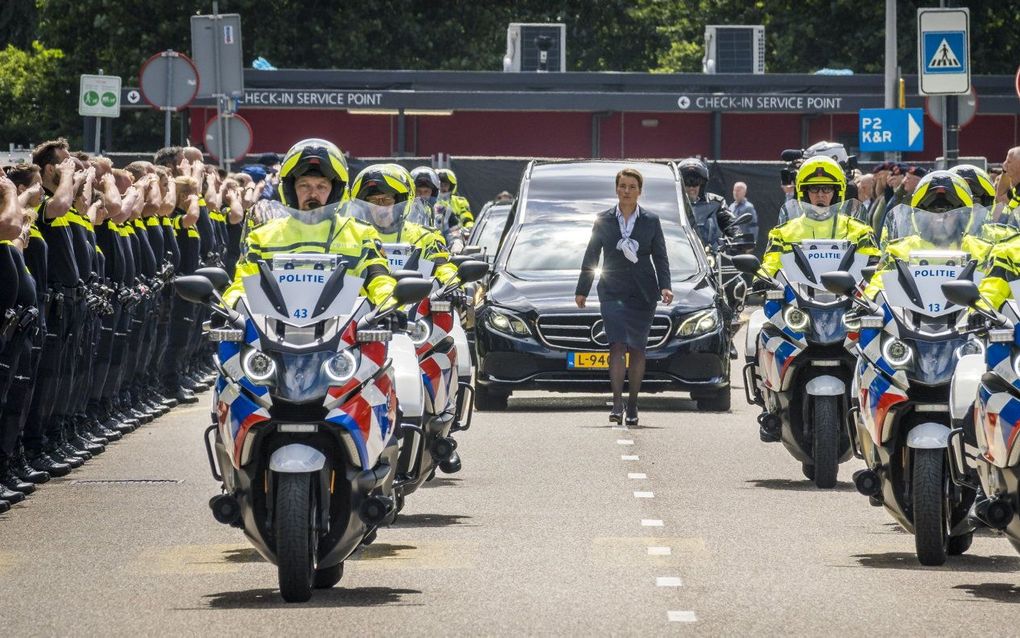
[795,209]
[936,360]
[389,219]
[933,230]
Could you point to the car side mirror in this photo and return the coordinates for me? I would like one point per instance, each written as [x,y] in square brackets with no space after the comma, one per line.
[747,264]
[412,290]
[401,275]
[962,292]
[839,282]
[472,270]
[194,288]
[217,276]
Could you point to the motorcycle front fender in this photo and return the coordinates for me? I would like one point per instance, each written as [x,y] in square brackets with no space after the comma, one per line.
[928,436]
[296,459]
[826,386]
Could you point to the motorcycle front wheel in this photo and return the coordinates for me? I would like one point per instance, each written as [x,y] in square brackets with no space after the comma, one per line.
[295,537]
[930,506]
[825,442]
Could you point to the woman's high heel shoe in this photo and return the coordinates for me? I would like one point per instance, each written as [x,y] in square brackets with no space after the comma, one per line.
[616,417]
[632,417]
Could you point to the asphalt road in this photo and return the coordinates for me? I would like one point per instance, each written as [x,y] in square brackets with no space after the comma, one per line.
[557,525]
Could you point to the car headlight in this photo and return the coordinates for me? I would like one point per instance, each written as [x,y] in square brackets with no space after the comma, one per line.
[258,366]
[698,323]
[341,367]
[897,353]
[507,324]
[796,319]
[419,332]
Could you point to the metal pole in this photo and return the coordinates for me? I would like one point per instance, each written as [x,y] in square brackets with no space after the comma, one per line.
[401,133]
[169,53]
[716,134]
[890,58]
[952,130]
[99,127]
[217,86]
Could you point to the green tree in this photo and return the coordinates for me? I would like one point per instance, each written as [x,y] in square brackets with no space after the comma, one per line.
[29,82]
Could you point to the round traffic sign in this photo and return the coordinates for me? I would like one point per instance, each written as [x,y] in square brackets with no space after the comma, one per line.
[234,142]
[966,108]
[91,98]
[1018,81]
[169,80]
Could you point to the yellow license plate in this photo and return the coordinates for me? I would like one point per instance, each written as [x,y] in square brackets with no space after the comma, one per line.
[588,360]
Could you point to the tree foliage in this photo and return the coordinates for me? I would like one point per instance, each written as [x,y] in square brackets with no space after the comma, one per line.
[802,36]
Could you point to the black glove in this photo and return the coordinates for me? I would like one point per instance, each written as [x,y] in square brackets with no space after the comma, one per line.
[761,285]
[397,321]
[976,321]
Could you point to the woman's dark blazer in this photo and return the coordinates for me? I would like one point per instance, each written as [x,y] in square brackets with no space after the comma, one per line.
[620,278]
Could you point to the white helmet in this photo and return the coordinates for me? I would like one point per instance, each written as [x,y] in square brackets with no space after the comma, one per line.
[834,150]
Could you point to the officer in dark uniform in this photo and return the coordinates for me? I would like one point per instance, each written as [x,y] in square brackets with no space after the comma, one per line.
[712,217]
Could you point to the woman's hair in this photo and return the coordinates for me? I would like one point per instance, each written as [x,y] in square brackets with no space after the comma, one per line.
[633,174]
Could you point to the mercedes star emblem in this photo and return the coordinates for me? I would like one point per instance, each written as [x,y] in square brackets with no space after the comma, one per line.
[598,333]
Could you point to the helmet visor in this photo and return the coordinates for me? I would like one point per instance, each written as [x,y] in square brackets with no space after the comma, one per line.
[939,229]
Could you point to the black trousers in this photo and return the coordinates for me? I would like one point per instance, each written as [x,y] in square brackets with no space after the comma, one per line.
[49,374]
[21,356]
[118,356]
[103,359]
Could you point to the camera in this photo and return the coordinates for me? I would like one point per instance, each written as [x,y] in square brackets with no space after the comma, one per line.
[794,157]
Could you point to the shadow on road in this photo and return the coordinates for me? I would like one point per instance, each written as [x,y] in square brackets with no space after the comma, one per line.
[336,597]
[999,592]
[445,481]
[965,563]
[558,403]
[429,520]
[246,555]
[379,550]
[798,486]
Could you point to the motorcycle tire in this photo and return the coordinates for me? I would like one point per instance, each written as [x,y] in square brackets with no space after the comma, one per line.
[295,545]
[328,576]
[808,470]
[931,528]
[825,441]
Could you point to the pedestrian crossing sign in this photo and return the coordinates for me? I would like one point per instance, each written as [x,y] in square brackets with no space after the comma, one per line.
[945,52]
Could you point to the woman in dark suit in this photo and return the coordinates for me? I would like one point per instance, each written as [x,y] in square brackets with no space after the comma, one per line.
[634,277]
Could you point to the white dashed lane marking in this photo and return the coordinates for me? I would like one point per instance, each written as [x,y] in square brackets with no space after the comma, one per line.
[669,581]
[644,495]
[651,522]
[629,457]
[660,551]
[640,476]
[681,616]
[625,441]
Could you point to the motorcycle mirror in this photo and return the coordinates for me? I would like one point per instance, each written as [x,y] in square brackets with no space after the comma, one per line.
[869,272]
[961,292]
[839,282]
[471,250]
[459,259]
[743,219]
[747,264]
[217,276]
[472,270]
[412,290]
[194,288]
[401,275]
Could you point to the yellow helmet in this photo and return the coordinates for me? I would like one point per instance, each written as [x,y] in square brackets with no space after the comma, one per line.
[448,176]
[392,179]
[979,182]
[941,191]
[820,171]
[316,157]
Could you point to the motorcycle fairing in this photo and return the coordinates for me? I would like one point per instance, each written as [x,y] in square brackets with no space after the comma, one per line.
[999,416]
[877,396]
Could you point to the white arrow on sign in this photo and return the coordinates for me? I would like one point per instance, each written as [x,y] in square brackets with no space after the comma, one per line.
[913,130]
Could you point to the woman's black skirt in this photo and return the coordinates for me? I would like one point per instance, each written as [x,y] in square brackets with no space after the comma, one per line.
[627,321]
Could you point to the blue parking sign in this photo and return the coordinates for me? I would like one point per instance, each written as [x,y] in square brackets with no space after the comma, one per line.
[945,52]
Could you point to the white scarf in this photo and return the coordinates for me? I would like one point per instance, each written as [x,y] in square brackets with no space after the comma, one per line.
[628,246]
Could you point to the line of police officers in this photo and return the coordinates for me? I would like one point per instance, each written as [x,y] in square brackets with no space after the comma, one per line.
[93,342]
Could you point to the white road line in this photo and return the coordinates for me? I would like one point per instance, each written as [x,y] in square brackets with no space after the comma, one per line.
[651,522]
[681,616]
[644,495]
[660,551]
[669,581]
[625,441]
[629,457]
[640,476]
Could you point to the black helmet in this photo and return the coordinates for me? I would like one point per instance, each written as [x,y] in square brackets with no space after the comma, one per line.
[425,176]
[693,171]
[313,157]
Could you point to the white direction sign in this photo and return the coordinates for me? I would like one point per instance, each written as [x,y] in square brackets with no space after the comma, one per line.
[99,96]
[943,51]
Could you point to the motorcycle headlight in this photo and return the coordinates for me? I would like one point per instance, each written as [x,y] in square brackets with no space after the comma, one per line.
[897,353]
[796,319]
[258,366]
[973,346]
[419,332]
[1016,365]
[699,323]
[341,367]
[507,324]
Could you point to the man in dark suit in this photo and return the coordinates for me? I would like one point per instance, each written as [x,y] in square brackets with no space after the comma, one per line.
[634,277]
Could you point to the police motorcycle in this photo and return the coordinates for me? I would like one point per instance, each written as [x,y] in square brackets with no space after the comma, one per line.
[305,422]
[797,368]
[909,342]
[985,405]
[434,370]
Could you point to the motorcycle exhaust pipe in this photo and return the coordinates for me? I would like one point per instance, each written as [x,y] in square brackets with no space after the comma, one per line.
[375,509]
[225,509]
[443,448]
[996,513]
[867,482]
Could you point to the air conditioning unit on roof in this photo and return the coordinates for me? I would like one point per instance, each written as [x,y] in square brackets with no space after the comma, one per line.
[536,47]
[734,49]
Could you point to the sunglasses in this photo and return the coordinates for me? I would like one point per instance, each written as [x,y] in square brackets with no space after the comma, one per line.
[820,189]
[693,181]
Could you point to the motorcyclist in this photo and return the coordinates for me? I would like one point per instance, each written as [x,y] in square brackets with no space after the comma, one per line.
[313,180]
[712,217]
[948,195]
[819,187]
[398,216]
[460,205]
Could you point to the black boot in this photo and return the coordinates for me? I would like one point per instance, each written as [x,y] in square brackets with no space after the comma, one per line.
[11,496]
[11,481]
[451,465]
[42,462]
[25,471]
[4,506]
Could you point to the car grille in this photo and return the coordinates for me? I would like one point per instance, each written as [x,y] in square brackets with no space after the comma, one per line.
[574,332]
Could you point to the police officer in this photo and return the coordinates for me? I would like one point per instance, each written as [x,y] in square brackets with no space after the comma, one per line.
[397,215]
[712,218]
[460,205]
[313,180]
